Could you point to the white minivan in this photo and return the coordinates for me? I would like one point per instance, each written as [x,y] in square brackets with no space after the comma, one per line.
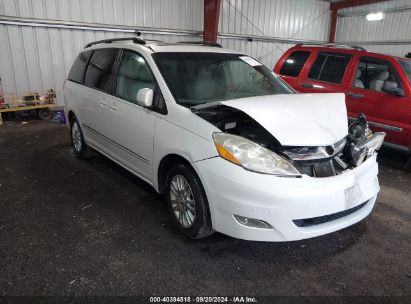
[232,147]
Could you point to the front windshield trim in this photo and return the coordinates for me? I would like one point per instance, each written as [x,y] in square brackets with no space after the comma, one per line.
[265,73]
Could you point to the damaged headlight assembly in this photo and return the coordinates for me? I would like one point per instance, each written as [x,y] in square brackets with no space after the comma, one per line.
[251,156]
[363,143]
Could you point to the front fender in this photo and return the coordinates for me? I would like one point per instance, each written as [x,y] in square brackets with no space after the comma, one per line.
[171,138]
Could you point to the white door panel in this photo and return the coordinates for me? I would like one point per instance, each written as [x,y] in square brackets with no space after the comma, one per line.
[130,135]
[93,111]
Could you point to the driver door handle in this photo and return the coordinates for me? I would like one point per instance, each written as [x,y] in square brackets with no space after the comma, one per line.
[355,95]
[307,85]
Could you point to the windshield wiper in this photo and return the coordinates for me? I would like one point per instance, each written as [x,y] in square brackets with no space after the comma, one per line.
[205,105]
[188,104]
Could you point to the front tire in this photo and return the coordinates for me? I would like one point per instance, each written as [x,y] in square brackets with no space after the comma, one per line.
[77,139]
[187,202]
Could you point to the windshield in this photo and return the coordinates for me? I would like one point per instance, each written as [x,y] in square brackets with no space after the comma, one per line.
[406,65]
[197,78]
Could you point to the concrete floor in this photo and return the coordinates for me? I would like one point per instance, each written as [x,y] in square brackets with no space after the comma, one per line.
[71,227]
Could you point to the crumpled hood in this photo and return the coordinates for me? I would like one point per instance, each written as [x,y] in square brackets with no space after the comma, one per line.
[298,119]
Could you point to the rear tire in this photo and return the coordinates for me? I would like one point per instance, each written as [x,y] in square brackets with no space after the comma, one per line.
[187,202]
[77,139]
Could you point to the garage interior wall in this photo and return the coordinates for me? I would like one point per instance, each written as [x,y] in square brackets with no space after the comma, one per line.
[39,58]
[391,35]
[288,19]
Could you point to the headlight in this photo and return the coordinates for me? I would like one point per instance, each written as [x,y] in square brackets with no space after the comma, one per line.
[373,143]
[364,150]
[251,156]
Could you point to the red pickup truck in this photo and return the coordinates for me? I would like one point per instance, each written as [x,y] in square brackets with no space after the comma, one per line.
[377,85]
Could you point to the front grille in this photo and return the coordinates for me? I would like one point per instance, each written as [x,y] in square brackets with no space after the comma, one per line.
[316,168]
[327,218]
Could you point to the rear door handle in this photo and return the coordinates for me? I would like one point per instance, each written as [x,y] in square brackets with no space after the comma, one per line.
[103,103]
[355,95]
[307,85]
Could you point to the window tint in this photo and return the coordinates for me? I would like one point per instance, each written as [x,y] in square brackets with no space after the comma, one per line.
[133,75]
[100,69]
[317,66]
[329,67]
[375,74]
[79,67]
[294,63]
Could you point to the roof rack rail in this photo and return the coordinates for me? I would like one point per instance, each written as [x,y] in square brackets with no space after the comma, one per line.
[135,40]
[355,47]
[205,43]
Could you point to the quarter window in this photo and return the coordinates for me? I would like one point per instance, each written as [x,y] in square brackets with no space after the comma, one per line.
[294,63]
[79,67]
[329,67]
[100,69]
[133,75]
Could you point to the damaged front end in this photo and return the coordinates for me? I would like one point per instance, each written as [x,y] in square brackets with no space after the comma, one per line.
[245,142]
[348,153]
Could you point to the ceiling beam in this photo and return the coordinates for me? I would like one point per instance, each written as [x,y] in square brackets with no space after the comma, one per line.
[351,3]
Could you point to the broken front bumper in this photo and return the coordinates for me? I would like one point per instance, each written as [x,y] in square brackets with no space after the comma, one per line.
[295,208]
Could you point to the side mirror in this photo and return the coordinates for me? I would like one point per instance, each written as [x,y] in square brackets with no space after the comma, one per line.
[392,89]
[145,97]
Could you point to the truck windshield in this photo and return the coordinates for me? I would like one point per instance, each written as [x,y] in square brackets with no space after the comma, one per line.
[406,65]
[198,78]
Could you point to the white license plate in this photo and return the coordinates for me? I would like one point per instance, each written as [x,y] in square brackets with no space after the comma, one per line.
[353,196]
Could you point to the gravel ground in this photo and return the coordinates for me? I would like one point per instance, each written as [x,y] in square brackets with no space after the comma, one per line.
[72,227]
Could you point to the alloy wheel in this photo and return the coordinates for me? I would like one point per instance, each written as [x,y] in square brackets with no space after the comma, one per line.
[182,201]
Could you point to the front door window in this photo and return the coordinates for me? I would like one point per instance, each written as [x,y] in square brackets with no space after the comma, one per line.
[133,75]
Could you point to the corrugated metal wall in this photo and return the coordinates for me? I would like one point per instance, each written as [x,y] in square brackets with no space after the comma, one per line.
[395,26]
[36,58]
[303,19]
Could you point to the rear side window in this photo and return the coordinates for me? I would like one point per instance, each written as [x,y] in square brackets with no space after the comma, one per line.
[79,67]
[375,74]
[329,67]
[294,63]
[100,69]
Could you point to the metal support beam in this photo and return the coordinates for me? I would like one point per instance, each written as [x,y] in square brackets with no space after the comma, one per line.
[335,6]
[252,38]
[71,25]
[381,42]
[333,26]
[211,16]
[390,10]
[351,3]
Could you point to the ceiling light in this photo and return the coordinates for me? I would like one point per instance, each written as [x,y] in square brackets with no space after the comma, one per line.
[375,16]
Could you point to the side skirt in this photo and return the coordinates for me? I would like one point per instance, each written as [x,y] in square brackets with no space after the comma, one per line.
[122,165]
